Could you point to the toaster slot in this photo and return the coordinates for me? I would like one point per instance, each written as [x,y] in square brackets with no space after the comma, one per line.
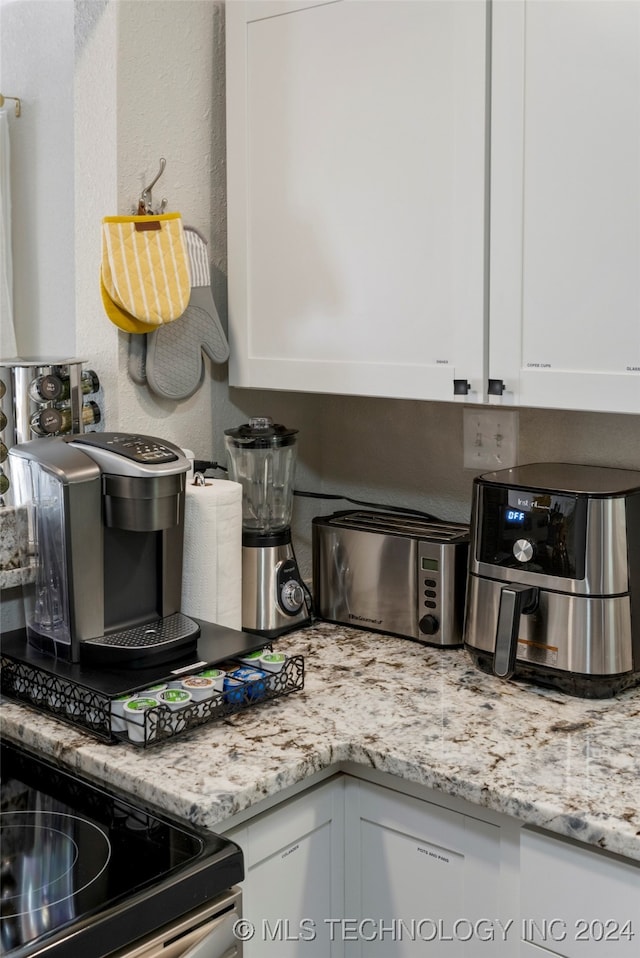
[402,525]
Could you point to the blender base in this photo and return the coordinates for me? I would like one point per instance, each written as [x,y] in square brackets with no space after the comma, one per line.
[273,598]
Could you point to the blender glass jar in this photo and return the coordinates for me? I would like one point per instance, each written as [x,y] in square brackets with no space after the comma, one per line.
[262,459]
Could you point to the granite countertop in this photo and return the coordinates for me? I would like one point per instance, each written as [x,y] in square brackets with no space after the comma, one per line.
[423,714]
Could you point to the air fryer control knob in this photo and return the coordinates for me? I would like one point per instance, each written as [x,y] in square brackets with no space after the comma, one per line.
[292,596]
[523,550]
[429,625]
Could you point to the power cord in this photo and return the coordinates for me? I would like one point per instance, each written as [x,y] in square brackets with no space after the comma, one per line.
[201,465]
[374,505]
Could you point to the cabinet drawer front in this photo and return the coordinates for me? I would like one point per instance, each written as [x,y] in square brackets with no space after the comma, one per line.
[576,901]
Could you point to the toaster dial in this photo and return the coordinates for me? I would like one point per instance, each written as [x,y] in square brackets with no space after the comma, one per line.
[429,625]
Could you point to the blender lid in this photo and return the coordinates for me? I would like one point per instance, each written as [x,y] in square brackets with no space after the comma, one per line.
[261,432]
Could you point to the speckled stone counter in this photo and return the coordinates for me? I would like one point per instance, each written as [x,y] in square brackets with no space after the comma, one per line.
[424,715]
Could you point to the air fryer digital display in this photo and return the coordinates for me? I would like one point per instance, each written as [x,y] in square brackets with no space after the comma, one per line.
[553,525]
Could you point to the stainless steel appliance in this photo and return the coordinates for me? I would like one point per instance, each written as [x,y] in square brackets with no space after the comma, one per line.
[87,872]
[390,572]
[105,546]
[262,458]
[554,576]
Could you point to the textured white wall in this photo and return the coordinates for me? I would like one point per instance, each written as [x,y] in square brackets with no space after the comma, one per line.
[144,89]
[36,65]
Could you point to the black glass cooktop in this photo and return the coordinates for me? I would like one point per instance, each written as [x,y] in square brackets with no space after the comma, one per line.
[85,872]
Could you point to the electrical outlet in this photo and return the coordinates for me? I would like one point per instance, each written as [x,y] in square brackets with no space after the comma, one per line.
[490,438]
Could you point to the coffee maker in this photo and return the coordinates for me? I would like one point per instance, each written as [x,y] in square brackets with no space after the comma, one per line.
[553,589]
[104,570]
[261,458]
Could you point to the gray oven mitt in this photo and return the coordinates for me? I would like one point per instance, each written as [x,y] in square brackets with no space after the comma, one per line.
[174,365]
[138,358]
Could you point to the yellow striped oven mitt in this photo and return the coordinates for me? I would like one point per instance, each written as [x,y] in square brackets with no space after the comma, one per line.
[144,276]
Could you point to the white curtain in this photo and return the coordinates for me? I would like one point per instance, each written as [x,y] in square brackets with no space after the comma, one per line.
[8,346]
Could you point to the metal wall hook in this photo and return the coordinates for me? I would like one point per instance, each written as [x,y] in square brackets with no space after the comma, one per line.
[16,101]
[145,196]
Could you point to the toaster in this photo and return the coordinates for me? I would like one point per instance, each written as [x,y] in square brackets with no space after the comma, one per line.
[394,573]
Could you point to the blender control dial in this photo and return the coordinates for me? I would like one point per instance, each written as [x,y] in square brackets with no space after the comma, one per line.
[292,596]
[523,550]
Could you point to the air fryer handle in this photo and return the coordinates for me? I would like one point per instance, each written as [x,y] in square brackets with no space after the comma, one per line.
[514,601]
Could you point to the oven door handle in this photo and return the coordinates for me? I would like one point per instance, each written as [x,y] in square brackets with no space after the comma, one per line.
[213,939]
[203,950]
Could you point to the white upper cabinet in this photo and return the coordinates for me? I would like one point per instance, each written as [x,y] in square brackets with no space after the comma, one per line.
[565,203]
[364,254]
[356,136]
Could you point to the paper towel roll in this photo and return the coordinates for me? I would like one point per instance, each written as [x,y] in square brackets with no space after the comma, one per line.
[212,564]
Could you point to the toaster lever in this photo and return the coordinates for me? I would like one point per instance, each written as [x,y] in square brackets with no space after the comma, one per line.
[515,600]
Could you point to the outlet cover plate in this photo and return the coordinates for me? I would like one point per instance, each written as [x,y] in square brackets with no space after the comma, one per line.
[490,439]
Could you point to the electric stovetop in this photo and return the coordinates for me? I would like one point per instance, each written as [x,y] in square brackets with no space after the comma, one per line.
[85,872]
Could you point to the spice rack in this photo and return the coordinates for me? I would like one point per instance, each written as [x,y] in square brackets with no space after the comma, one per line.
[91,710]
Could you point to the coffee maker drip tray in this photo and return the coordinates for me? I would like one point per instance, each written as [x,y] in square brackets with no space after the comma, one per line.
[157,641]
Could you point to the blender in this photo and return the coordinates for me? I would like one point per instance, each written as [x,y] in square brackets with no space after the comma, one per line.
[262,458]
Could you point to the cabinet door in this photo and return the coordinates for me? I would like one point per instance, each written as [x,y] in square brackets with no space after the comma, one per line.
[565,203]
[423,879]
[294,875]
[576,901]
[356,196]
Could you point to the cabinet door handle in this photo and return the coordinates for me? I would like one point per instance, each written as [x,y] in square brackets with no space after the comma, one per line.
[496,387]
[461,387]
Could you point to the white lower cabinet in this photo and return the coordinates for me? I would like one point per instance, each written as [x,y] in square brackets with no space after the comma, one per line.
[422,879]
[355,869]
[576,902]
[294,879]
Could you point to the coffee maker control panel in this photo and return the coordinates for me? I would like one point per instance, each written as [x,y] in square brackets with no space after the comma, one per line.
[132,455]
[139,448]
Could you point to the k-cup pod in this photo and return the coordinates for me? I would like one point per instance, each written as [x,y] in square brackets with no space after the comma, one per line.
[233,690]
[272,661]
[175,698]
[252,658]
[217,675]
[200,686]
[118,723]
[134,713]
[153,690]
[255,679]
